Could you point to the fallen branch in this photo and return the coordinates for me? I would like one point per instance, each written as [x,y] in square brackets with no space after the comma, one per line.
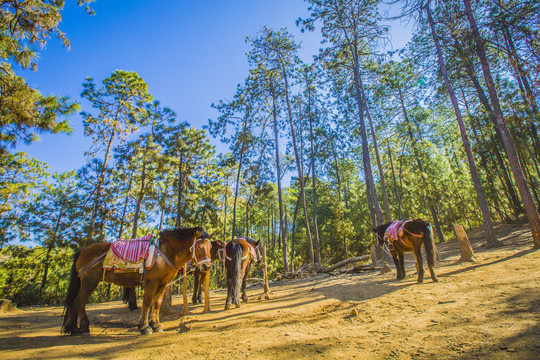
[347,261]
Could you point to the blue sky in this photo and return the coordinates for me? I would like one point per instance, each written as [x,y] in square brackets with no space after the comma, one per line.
[190,53]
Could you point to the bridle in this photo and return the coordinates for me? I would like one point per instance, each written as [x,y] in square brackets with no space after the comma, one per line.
[193,250]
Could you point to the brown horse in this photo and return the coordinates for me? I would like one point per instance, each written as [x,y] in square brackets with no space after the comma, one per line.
[199,275]
[129,296]
[175,248]
[239,255]
[413,234]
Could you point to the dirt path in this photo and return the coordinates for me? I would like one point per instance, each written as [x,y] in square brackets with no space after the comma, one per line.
[488,309]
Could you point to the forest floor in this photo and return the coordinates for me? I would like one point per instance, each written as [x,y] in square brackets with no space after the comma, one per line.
[487,309]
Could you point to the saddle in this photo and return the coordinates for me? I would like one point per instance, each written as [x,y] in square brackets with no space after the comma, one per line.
[394,233]
[131,255]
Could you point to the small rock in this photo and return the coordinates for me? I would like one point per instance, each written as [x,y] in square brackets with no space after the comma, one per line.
[355,312]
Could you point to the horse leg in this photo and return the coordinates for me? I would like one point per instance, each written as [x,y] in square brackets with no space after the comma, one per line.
[228,302]
[434,277]
[396,263]
[154,314]
[148,299]
[195,299]
[88,285]
[401,264]
[419,262]
[244,283]
[202,278]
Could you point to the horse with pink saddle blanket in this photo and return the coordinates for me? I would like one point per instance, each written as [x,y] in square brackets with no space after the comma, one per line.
[409,235]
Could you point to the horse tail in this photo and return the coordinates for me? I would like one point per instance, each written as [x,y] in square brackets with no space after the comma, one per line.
[235,274]
[70,322]
[429,243]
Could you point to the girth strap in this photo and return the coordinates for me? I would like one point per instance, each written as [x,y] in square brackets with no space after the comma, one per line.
[94,262]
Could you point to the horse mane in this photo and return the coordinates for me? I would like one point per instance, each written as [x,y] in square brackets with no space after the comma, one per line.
[183,233]
[382,227]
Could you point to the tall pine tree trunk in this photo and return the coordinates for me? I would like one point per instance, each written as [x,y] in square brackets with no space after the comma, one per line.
[314,186]
[278,176]
[139,202]
[97,195]
[523,187]
[298,168]
[387,215]
[180,191]
[482,202]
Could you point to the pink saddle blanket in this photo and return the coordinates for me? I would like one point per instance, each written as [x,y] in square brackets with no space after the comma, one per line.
[132,250]
[395,230]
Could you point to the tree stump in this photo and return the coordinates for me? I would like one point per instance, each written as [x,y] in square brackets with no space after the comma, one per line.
[6,306]
[374,260]
[467,252]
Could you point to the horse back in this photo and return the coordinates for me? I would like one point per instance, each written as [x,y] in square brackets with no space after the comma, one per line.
[91,253]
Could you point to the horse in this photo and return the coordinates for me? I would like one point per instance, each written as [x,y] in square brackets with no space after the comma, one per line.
[199,276]
[129,296]
[239,255]
[176,247]
[412,234]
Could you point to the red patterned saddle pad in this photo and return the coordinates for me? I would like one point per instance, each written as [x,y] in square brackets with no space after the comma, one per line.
[394,231]
[132,250]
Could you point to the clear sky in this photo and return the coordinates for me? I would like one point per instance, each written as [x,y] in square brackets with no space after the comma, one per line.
[190,53]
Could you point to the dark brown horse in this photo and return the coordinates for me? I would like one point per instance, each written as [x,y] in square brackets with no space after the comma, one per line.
[199,275]
[410,237]
[239,255]
[176,247]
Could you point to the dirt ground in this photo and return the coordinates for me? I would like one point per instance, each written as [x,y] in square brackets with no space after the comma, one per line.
[487,309]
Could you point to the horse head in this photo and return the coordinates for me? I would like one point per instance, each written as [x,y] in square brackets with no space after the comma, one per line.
[379,233]
[217,247]
[201,250]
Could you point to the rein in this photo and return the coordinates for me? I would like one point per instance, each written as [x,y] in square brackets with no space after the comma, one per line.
[193,254]
[94,262]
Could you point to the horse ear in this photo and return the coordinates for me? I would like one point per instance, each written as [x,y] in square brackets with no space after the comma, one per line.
[198,234]
[210,236]
[257,243]
[374,230]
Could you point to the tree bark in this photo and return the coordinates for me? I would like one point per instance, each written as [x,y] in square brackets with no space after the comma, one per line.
[278,176]
[298,168]
[314,185]
[98,190]
[139,201]
[482,202]
[180,191]
[523,187]
[387,214]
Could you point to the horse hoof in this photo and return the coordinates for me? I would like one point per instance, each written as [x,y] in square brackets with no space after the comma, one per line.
[245,299]
[85,334]
[146,331]
[435,279]
[237,305]
[227,306]
[158,329]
